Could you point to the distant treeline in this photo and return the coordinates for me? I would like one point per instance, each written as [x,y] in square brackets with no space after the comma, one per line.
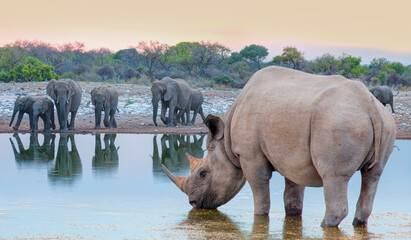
[203,64]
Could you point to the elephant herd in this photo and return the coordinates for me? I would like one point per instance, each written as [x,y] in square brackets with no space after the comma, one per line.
[176,96]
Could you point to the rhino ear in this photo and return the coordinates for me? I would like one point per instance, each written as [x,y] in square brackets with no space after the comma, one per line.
[215,126]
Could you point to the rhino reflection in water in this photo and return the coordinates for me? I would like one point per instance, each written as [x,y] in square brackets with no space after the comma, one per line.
[35,153]
[173,150]
[67,166]
[105,160]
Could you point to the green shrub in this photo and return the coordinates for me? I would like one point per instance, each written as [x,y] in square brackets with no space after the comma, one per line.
[70,75]
[5,76]
[225,80]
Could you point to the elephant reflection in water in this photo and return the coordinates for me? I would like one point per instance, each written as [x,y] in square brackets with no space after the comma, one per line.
[173,150]
[105,160]
[35,153]
[67,166]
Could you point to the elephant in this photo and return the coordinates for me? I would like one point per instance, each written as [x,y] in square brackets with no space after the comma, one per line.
[105,160]
[44,108]
[66,94]
[67,167]
[35,152]
[197,100]
[316,131]
[384,95]
[175,94]
[105,99]
[22,105]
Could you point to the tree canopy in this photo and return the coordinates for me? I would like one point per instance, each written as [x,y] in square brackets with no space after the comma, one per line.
[201,63]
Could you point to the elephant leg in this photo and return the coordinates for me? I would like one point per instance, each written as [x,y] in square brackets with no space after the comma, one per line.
[32,127]
[194,117]
[336,203]
[163,117]
[46,123]
[114,122]
[171,118]
[293,198]
[392,106]
[106,117]
[19,118]
[73,116]
[369,182]
[202,114]
[111,121]
[52,123]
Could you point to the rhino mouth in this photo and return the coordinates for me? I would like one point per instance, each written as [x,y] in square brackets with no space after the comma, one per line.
[194,204]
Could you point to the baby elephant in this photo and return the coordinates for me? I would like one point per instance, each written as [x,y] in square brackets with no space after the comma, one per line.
[44,108]
[105,99]
[384,95]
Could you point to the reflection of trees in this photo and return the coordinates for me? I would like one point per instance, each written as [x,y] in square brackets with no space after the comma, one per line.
[35,153]
[173,150]
[210,224]
[67,166]
[105,160]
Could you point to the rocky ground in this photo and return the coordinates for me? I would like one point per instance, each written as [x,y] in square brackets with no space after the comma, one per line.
[135,109]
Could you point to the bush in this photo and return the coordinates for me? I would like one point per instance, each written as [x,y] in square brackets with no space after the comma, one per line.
[225,80]
[70,75]
[4,76]
[90,77]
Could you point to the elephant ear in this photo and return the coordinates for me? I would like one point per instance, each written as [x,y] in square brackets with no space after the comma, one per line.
[44,106]
[106,98]
[72,87]
[50,89]
[172,89]
[93,95]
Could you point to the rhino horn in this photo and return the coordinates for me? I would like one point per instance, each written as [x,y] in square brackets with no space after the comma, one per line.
[178,181]
[193,162]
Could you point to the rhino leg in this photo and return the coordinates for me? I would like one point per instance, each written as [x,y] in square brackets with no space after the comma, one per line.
[336,203]
[369,182]
[293,198]
[258,173]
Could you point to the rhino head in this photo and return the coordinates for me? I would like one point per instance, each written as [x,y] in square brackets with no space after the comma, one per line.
[214,180]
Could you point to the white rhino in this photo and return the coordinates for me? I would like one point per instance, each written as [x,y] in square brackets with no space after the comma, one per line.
[314,130]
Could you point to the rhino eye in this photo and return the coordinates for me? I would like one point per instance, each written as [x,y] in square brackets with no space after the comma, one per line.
[203,174]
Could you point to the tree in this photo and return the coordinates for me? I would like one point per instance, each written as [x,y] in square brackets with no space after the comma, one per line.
[254,54]
[241,68]
[130,73]
[350,66]
[235,57]
[326,64]
[291,57]
[196,58]
[33,70]
[151,52]
[11,56]
[105,72]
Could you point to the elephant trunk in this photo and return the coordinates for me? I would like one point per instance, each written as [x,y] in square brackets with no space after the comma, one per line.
[155,109]
[62,115]
[12,117]
[97,113]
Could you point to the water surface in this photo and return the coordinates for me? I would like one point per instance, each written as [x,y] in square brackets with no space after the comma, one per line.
[112,186]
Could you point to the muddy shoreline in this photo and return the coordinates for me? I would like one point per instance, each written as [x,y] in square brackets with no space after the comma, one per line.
[135,112]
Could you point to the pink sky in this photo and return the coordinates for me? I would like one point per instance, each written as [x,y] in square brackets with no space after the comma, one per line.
[315,26]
